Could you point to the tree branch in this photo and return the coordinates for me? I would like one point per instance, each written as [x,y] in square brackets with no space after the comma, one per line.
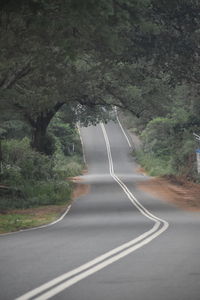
[17,74]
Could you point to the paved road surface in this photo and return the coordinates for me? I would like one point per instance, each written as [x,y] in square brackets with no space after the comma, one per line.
[114,243]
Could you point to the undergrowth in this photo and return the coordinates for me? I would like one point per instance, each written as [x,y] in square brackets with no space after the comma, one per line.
[30,179]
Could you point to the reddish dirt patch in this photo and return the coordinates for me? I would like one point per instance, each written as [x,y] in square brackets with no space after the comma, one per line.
[142,171]
[180,192]
[80,190]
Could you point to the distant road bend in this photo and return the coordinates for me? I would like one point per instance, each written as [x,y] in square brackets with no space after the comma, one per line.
[91,253]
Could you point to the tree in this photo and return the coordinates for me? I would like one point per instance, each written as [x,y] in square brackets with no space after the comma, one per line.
[168,35]
[43,48]
[88,54]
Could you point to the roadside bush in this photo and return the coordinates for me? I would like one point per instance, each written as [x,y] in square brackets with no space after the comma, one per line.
[13,129]
[47,192]
[168,148]
[154,165]
[32,179]
[49,144]
[67,138]
[20,162]
[157,137]
[38,193]
[11,174]
[183,160]
[67,166]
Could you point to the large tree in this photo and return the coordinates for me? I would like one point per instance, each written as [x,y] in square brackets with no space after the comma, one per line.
[95,53]
[47,56]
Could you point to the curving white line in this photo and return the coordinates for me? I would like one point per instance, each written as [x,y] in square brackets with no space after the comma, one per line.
[68,279]
[42,226]
[63,215]
[87,265]
[133,199]
[61,287]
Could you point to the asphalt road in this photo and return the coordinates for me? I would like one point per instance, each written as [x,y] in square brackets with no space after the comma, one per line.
[116,242]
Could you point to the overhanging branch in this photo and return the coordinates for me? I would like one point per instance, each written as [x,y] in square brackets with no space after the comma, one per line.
[15,75]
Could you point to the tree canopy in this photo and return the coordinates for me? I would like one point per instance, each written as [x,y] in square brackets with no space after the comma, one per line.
[92,54]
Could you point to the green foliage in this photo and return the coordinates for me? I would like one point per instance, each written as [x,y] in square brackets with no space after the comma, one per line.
[16,221]
[157,137]
[170,140]
[183,160]
[35,179]
[49,144]
[67,166]
[48,192]
[156,166]
[89,55]
[44,49]
[14,129]
[20,162]
[67,138]
[39,193]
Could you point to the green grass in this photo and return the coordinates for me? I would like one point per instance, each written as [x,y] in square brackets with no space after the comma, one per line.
[14,222]
[68,166]
[38,193]
[47,192]
[155,166]
[34,182]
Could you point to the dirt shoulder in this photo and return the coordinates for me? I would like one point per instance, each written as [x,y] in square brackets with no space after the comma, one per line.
[178,191]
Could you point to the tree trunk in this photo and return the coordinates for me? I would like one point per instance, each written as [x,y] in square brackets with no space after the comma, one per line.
[39,137]
[40,141]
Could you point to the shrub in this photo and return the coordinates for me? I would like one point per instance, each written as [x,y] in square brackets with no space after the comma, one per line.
[154,165]
[38,193]
[35,179]
[67,138]
[20,162]
[157,137]
[11,174]
[47,192]
[67,166]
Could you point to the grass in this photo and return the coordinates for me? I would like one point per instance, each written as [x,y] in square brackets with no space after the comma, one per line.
[24,219]
[155,166]
[38,193]
[69,166]
[34,188]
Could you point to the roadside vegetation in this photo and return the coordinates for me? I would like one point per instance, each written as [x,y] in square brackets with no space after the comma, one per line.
[70,61]
[18,220]
[168,145]
[30,179]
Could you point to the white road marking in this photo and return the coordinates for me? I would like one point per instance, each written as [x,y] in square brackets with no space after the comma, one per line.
[68,279]
[82,144]
[67,210]
[42,226]
[63,215]
[139,206]
[122,129]
[86,266]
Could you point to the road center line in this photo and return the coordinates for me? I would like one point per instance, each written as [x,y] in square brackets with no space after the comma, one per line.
[68,279]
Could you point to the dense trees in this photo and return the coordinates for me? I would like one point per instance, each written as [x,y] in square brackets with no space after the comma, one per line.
[46,56]
[142,55]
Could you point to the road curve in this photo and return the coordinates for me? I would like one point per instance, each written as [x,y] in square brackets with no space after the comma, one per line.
[116,242]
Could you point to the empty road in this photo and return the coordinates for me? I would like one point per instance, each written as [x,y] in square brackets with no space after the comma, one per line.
[115,243]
